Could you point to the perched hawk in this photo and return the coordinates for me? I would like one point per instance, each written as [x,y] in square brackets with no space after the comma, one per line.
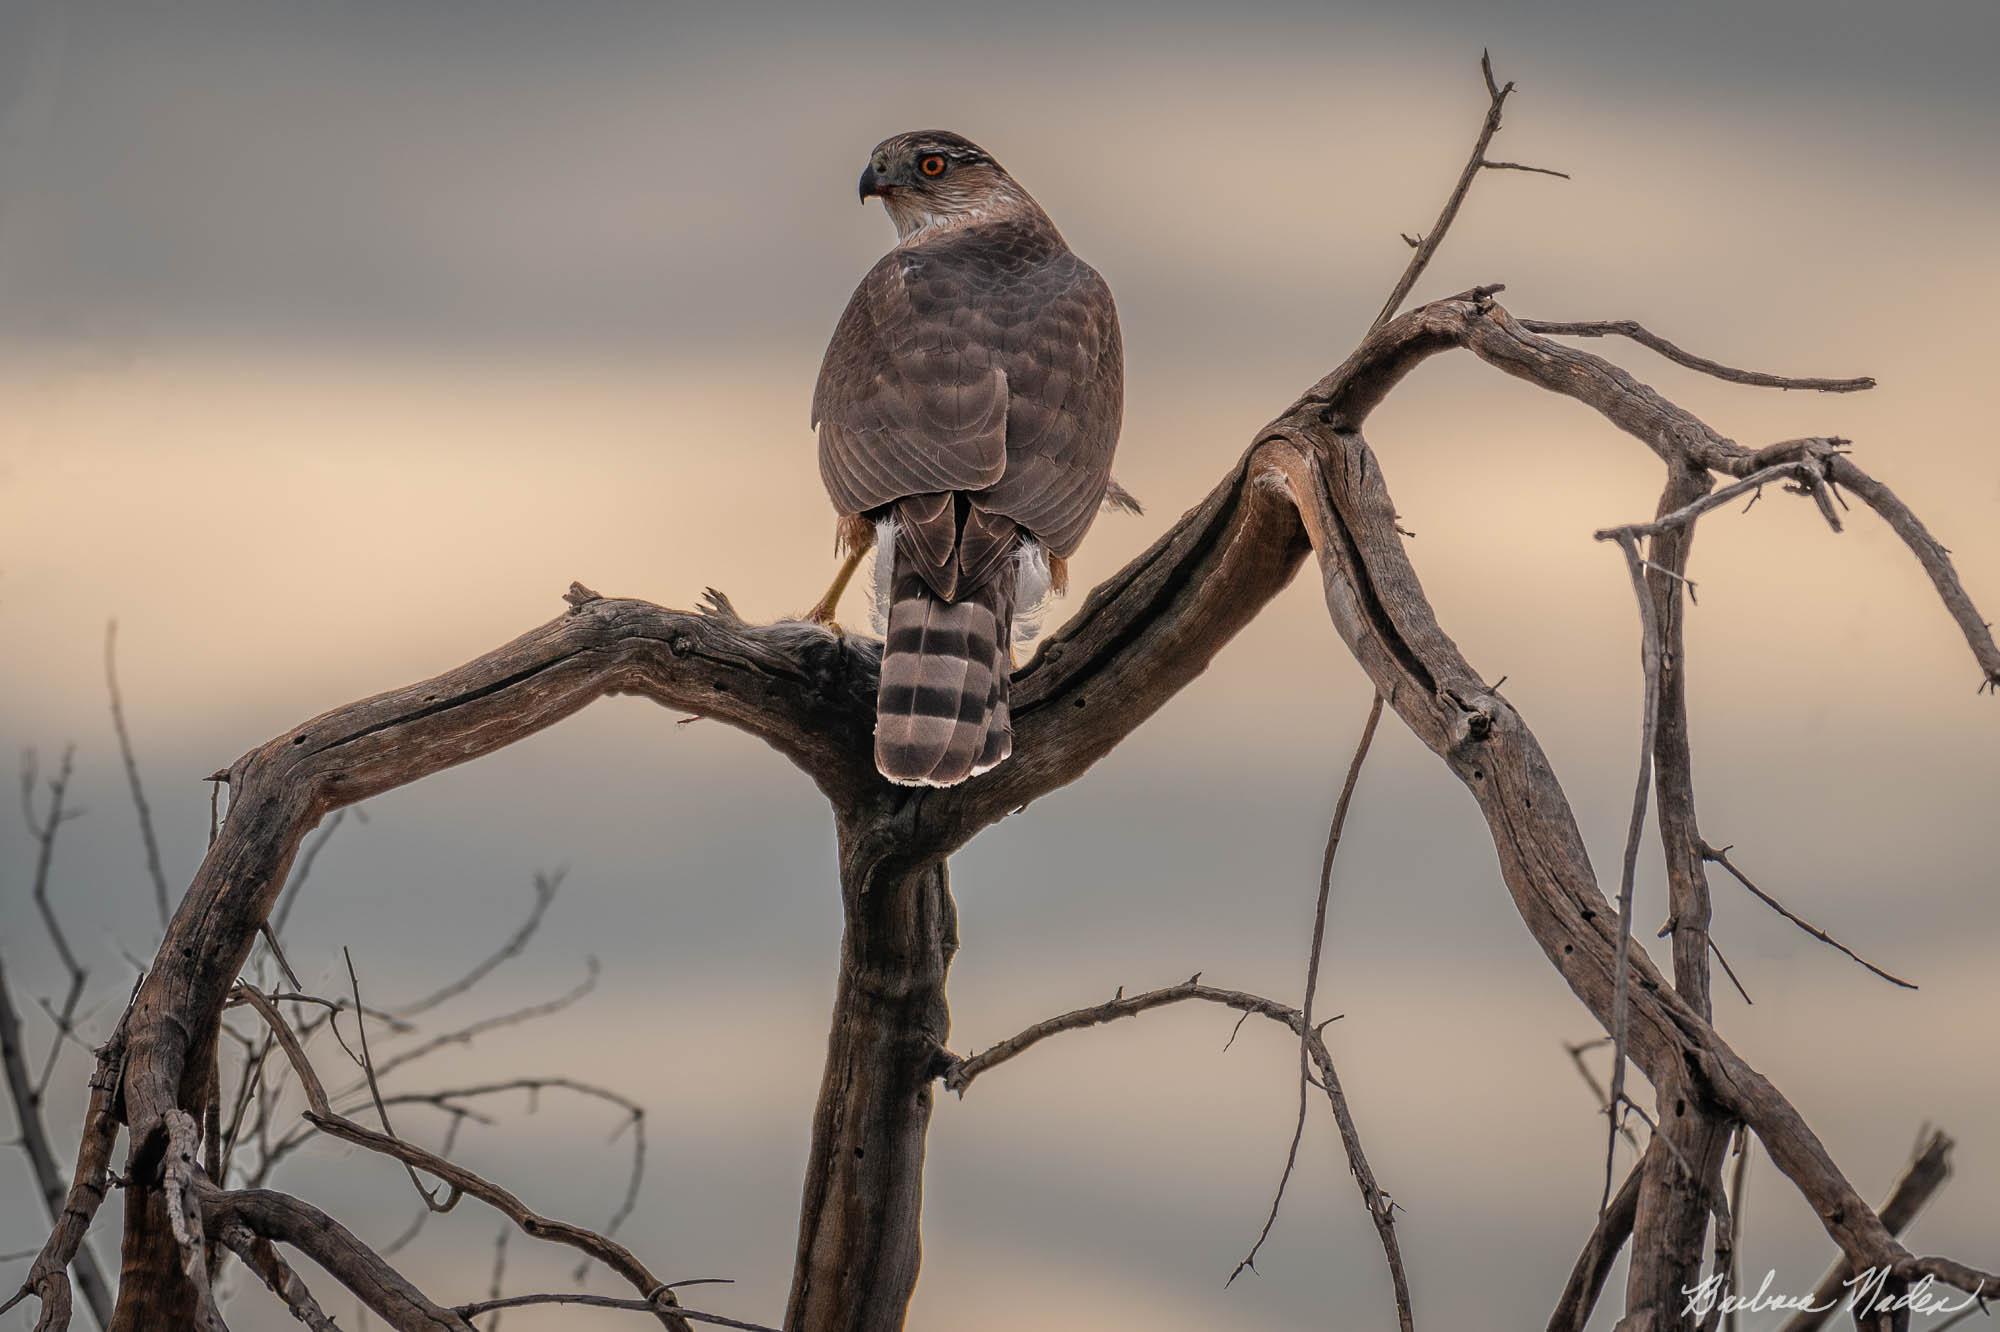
[967,411]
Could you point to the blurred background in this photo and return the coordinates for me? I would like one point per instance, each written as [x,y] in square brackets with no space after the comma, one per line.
[337,338]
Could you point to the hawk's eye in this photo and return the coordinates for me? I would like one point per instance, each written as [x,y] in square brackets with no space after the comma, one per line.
[932,165]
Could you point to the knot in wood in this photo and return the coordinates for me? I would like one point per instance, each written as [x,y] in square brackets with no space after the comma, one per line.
[1472,720]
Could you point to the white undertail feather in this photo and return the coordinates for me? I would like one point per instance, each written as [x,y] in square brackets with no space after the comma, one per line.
[1031,592]
[885,573]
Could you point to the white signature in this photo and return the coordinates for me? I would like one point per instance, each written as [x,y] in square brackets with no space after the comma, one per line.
[1867,1294]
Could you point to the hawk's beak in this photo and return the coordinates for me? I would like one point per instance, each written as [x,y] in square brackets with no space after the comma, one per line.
[871,183]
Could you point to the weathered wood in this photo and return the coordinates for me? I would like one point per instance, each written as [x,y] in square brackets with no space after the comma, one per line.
[1673,1210]
[860,1219]
[807,693]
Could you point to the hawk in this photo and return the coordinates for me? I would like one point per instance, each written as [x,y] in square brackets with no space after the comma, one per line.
[967,411]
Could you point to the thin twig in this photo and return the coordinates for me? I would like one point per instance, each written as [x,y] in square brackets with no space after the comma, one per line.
[304,871]
[1520,166]
[1576,1054]
[374,1091]
[250,1083]
[44,830]
[1807,473]
[607,1302]
[458,1179]
[1649,654]
[1249,1261]
[959,1074]
[1721,857]
[473,1030]
[1733,1269]
[69,1205]
[270,937]
[450,1101]
[1729,971]
[424,1213]
[1593,1265]
[545,892]
[499,1274]
[1935,559]
[1426,246]
[161,897]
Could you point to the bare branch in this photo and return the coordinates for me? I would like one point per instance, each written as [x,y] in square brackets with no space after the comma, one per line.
[1730,1266]
[1576,1053]
[1677,1197]
[261,1257]
[606,1302]
[959,1074]
[1808,473]
[1600,1253]
[1627,328]
[451,1101]
[472,1031]
[1379,608]
[545,892]
[375,1092]
[1427,246]
[1518,166]
[1649,656]
[1926,1173]
[1730,972]
[288,1220]
[459,1180]
[69,1209]
[1721,857]
[1935,559]
[1249,1261]
[44,830]
[161,898]
[499,1274]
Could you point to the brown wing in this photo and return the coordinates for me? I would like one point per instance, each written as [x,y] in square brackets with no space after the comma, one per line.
[1066,381]
[909,400]
[979,379]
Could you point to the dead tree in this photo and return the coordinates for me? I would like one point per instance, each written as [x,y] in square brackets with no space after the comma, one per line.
[245,1142]
[1309,489]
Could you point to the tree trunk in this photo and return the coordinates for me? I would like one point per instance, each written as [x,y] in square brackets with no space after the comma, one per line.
[860,1220]
[152,1293]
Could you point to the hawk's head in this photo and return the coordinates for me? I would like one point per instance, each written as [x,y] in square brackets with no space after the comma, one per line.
[931,179]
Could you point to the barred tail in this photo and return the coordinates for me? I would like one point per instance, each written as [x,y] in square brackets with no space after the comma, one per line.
[941,712]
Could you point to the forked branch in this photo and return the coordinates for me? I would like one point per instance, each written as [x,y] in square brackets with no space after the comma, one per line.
[959,1075]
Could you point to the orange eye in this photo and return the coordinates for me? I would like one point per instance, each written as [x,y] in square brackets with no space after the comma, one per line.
[932,165]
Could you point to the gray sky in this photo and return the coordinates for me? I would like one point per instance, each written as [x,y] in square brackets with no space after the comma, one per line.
[339,337]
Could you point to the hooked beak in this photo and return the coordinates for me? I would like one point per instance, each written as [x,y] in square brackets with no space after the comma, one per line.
[872,184]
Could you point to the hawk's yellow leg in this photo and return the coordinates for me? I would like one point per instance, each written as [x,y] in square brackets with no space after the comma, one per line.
[822,611]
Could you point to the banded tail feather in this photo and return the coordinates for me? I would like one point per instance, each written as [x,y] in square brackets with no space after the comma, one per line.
[941,711]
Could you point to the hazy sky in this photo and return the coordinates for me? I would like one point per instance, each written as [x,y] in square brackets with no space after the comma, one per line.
[335,339]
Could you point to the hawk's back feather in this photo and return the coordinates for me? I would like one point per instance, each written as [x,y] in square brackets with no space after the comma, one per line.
[909,401]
